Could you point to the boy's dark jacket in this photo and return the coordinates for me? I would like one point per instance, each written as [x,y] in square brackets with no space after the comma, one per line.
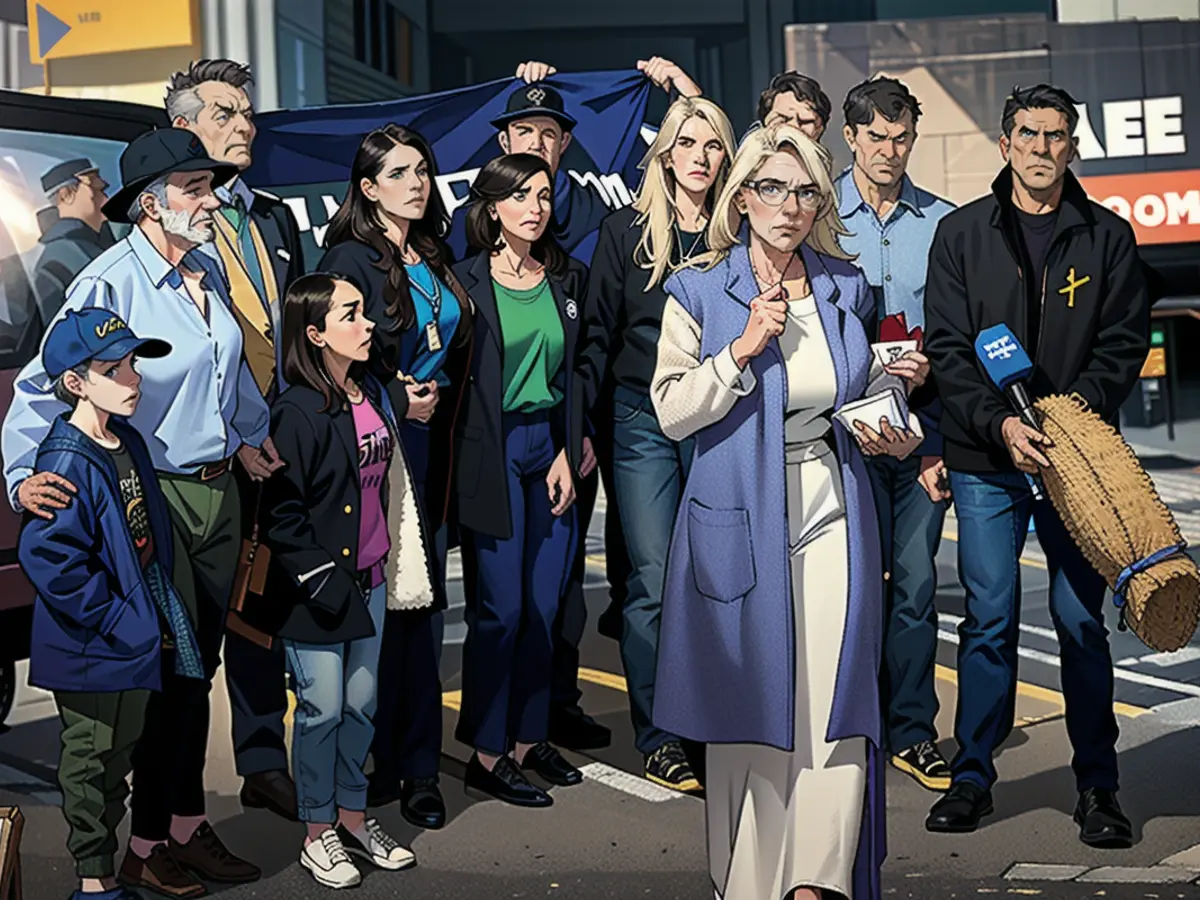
[1094,347]
[311,512]
[96,627]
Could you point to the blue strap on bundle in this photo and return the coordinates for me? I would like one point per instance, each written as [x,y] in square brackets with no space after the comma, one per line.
[1133,569]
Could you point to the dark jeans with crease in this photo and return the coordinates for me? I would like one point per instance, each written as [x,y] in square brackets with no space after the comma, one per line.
[649,472]
[572,619]
[408,715]
[993,519]
[910,531]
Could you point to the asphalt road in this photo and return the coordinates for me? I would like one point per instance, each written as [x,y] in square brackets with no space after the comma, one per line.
[616,836]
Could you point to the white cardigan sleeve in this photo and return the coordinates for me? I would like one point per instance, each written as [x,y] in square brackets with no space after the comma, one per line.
[689,393]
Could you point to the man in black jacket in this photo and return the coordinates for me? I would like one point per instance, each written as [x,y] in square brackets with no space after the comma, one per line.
[258,241]
[1064,274]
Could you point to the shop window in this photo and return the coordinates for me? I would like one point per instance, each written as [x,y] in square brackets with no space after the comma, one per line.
[383,39]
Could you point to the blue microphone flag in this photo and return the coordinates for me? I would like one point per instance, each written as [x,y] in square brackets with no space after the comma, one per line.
[1002,356]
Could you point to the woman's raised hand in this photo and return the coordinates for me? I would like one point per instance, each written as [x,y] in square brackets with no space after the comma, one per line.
[768,317]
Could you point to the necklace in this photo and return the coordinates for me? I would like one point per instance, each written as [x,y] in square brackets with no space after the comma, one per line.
[766,284]
[686,255]
[435,299]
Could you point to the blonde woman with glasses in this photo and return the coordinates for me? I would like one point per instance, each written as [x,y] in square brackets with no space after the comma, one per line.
[685,169]
[772,610]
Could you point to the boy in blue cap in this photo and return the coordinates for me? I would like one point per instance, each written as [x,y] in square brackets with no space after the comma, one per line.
[106,617]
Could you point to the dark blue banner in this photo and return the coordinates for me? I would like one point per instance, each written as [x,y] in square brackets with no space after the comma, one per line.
[304,155]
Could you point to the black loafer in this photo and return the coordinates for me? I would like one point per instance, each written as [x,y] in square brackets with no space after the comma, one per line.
[422,805]
[383,790]
[1101,822]
[506,783]
[274,791]
[548,763]
[960,810]
[576,730]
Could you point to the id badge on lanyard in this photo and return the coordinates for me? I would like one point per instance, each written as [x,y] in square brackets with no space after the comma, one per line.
[433,337]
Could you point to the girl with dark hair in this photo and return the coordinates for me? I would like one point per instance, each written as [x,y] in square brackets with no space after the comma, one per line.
[520,452]
[331,527]
[388,236]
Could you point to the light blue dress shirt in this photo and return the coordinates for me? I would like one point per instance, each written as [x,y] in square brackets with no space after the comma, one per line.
[894,253]
[199,404]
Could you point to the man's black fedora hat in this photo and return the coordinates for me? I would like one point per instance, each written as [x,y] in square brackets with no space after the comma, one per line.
[158,153]
[537,99]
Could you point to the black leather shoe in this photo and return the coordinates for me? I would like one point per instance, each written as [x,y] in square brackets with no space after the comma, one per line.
[611,622]
[382,790]
[1101,822]
[576,730]
[549,764]
[960,810]
[422,805]
[505,782]
[274,791]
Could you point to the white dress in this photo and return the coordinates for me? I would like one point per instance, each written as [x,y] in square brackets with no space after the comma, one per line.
[776,820]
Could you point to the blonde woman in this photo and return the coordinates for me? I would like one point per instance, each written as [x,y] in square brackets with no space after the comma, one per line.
[769,647]
[685,169]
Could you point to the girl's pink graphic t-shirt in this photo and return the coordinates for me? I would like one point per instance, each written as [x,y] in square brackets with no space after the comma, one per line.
[374,455]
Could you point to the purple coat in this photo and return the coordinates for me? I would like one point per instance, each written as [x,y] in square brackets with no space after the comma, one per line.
[726,653]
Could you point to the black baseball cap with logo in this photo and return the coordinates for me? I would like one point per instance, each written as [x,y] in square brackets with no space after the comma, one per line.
[156,154]
[537,99]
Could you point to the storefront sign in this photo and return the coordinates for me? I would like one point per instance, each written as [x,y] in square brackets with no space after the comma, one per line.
[64,28]
[1163,207]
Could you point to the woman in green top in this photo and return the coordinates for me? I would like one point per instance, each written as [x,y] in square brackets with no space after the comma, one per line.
[521,448]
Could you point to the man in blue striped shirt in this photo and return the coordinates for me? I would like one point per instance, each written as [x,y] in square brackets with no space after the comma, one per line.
[893,222]
[200,408]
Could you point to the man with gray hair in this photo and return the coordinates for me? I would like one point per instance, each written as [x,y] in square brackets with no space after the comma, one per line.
[258,241]
[199,409]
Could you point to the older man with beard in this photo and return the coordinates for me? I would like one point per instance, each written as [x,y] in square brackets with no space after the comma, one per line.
[199,410]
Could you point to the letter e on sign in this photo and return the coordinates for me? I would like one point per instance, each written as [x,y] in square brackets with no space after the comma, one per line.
[1163,119]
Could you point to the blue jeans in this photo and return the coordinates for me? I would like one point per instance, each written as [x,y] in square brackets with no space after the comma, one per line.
[335,704]
[649,472]
[993,519]
[910,530]
[513,594]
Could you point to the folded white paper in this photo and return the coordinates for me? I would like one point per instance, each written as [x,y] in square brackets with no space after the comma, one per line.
[887,352]
[870,409]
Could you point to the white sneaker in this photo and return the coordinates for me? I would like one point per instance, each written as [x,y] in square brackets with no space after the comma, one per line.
[328,863]
[380,847]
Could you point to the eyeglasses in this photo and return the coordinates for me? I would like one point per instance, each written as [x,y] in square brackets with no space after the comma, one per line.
[775,193]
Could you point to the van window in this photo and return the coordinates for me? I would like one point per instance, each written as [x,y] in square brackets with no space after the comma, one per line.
[25,213]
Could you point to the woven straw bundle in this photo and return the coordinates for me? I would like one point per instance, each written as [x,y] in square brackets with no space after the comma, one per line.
[1111,508]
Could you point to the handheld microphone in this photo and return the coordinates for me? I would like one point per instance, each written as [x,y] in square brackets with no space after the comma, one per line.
[1008,365]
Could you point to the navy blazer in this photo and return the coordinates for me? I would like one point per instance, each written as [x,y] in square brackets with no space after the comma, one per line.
[96,626]
[480,492]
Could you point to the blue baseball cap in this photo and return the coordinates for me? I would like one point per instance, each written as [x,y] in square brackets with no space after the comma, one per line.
[87,334]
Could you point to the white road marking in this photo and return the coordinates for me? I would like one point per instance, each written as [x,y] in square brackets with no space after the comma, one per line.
[628,784]
[1166,684]
[1179,657]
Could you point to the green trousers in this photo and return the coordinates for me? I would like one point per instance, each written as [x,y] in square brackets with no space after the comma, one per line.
[168,767]
[98,736]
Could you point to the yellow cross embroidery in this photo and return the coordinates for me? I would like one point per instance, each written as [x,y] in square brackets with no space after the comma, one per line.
[1072,285]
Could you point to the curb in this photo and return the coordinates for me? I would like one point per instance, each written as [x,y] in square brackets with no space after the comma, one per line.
[1179,868]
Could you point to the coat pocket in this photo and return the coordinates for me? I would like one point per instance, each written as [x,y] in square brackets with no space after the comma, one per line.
[722,558]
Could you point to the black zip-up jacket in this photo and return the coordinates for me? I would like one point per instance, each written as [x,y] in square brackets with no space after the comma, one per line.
[1094,347]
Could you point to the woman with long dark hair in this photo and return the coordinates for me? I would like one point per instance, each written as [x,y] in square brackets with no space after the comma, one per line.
[388,235]
[333,527]
[520,450]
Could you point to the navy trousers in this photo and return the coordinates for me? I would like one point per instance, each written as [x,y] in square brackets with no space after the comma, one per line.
[910,530]
[513,598]
[408,714]
[993,521]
